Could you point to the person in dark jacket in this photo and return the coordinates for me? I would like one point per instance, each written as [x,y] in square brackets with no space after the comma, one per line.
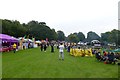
[52,47]
[68,48]
[41,46]
[111,58]
[98,56]
[45,47]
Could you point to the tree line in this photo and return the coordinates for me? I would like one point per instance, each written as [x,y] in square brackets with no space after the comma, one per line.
[40,31]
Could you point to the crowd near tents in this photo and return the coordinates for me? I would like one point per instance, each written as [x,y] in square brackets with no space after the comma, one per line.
[80,49]
[7,41]
[24,43]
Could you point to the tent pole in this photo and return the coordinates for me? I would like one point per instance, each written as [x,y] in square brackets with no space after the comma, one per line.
[17,45]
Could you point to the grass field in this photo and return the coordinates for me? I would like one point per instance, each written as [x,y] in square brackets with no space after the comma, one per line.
[32,63]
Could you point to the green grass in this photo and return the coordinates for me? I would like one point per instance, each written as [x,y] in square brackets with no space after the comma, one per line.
[32,63]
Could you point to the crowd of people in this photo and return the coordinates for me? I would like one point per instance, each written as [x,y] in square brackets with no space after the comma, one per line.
[76,50]
[81,52]
[108,57]
[44,45]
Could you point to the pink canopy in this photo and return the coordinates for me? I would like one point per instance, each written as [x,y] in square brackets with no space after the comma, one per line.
[8,38]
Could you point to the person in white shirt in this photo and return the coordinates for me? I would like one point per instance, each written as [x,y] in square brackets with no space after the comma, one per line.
[61,51]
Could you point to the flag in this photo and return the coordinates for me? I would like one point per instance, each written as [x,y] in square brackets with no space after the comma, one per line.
[28,36]
[24,36]
[33,39]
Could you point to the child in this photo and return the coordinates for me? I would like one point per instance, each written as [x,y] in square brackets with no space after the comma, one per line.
[14,47]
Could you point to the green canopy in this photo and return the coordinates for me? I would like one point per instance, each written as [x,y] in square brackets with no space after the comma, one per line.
[116,50]
[107,50]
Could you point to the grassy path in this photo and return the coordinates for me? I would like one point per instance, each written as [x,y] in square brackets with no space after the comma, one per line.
[32,63]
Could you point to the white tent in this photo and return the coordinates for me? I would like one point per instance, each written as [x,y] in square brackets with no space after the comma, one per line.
[37,41]
[95,41]
[30,40]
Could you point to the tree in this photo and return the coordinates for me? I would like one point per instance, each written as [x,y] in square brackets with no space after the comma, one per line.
[111,36]
[13,28]
[60,35]
[80,36]
[73,38]
[42,23]
[41,31]
[54,34]
[92,36]
[105,36]
[114,36]
[76,37]
[38,30]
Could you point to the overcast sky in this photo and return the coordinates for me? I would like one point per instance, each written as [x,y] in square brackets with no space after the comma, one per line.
[67,15]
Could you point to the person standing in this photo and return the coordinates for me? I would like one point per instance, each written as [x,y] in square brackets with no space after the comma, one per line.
[57,45]
[41,46]
[52,47]
[68,48]
[14,47]
[45,47]
[61,52]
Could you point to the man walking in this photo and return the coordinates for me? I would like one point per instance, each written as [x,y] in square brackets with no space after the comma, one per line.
[61,52]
